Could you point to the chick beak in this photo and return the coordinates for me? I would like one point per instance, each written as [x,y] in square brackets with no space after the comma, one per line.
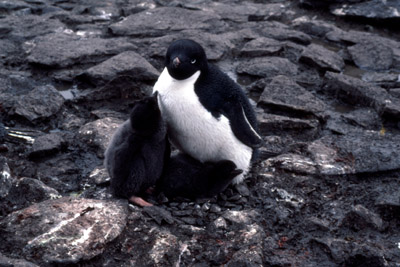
[176,62]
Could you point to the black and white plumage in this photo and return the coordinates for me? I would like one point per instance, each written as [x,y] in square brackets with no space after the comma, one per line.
[208,115]
[187,177]
[137,151]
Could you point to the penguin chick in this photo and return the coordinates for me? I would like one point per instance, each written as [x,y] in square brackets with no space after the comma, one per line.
[187,177]
[135,156]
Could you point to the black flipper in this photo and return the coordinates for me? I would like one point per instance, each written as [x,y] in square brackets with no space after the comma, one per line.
[240,125]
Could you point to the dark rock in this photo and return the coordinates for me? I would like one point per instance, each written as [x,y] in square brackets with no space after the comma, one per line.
[47,144]
[13,5]
[360,218]
[372,55]
[286,95]
[395,92]
[62,50]
[300,129]
[314,223]
[355,91]
[65,231]
[322,58]
[261,47]
[374,10]
[336,248]
[360,152]
[127,63]
[42,102]
[24,192]
[98,133]
[159,214]
[388,203]
[6,262]
[167,18]
[268,67]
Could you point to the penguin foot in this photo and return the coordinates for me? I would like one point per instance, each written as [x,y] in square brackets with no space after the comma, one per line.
[139,201]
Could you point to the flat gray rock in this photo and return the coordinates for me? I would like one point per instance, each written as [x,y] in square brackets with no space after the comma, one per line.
[261,47]
[41,102]
[280,32]
[267,67]
[282,93]
[66,230]
[98,133]
[355,91]
[62,50]
[372,55]
[128,63]
[360,152]
[157,21]
[216,46]
[28,26]
[322,58]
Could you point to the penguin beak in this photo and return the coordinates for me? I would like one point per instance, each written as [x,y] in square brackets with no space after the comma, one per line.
[176,62]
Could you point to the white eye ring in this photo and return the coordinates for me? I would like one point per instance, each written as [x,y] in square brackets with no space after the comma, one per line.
[193,61]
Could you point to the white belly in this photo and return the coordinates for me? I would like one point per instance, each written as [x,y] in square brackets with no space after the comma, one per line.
[193,129]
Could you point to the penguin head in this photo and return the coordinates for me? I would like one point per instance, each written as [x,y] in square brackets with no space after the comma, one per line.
[145,116]
[185,57]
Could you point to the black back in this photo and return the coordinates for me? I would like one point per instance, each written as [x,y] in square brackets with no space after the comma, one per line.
[187,177]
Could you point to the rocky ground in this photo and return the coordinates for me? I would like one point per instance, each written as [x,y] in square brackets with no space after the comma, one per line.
[324,77]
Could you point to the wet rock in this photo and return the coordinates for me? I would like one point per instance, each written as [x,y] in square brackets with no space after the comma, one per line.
[322,58]
[299,129]
[284,94]
[47,144]
[261,47]
[62,50]
[65,231]
[374,10]
[98,133]
[372,55]
[5,261]
[42,102]
[292,163]
[355,91]
[159,214]
[360,218]
[268,67]
[167,18]
[128,63]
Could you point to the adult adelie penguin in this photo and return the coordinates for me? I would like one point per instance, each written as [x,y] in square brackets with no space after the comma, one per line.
[208,115]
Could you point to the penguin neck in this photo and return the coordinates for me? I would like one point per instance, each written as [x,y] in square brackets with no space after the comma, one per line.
[191,79]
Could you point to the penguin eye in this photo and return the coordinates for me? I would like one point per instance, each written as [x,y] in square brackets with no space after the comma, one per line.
[193,61]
